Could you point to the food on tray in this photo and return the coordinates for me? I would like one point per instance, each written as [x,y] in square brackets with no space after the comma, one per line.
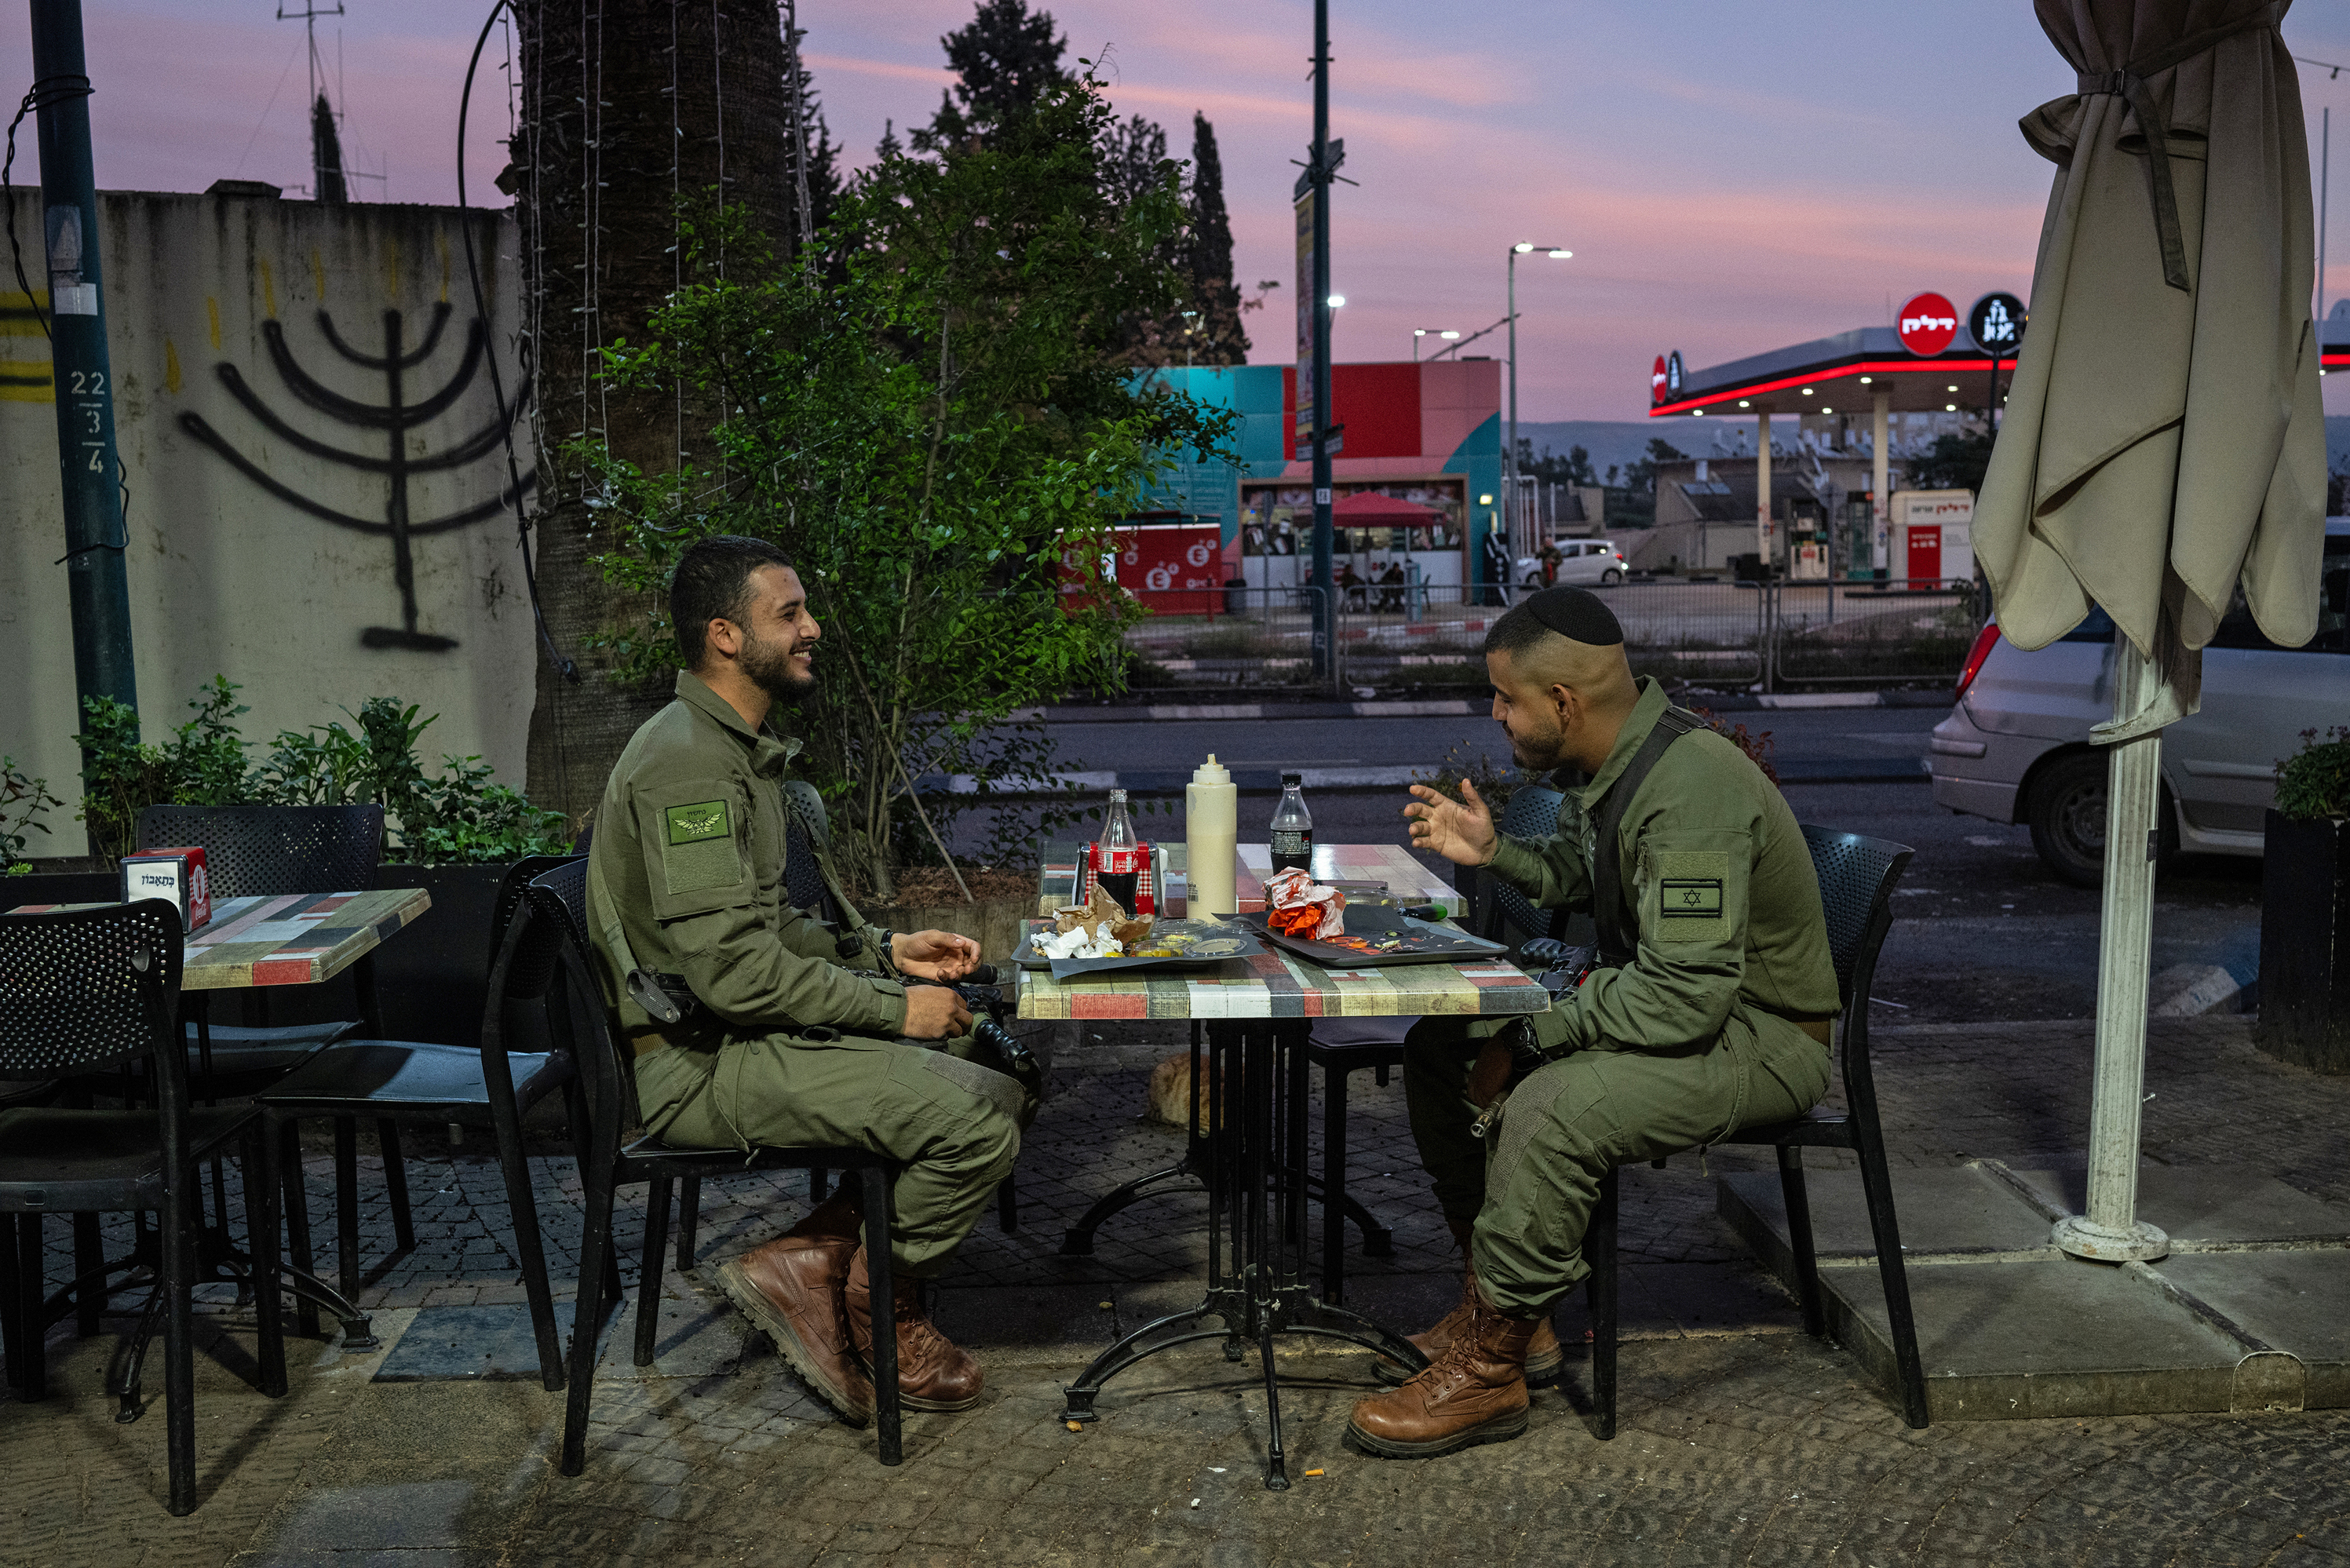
[1298,905]
[1079,942]
[1102,912]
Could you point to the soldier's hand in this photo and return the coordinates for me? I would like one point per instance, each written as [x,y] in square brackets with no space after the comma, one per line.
[934,1012]
[933,955]
[1491,1075]
[1462,833]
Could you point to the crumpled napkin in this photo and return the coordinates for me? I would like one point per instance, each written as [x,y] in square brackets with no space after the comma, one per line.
[1079,942]
[1298,905]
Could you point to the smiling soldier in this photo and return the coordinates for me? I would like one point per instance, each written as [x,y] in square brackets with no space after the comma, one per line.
[1707,1010]
[794,1019]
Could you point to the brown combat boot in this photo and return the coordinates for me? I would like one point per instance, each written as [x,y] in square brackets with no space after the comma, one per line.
[933,1372]
[1543,1357]
[792,1287]
[1475,1393]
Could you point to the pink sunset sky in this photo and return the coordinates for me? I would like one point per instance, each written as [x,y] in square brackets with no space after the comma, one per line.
[1733,177]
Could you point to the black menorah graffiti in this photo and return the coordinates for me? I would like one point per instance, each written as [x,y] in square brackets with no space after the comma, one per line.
[395,417]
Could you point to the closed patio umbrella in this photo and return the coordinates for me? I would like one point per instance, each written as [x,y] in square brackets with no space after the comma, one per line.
[2164,440]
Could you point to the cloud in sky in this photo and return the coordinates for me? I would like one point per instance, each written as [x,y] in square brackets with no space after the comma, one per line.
[1732,177]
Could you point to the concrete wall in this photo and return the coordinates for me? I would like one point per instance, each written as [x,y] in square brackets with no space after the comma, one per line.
[232,568]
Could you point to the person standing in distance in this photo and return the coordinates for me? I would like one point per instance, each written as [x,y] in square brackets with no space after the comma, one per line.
[1709,1010]
[800,1026]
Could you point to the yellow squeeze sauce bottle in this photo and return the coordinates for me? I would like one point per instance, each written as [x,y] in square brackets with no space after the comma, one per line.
[1210,838]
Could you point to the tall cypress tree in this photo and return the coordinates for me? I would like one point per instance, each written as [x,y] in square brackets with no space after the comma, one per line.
[1220,339]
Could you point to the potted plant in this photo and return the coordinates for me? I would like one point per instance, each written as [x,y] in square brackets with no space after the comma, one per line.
[2305,909]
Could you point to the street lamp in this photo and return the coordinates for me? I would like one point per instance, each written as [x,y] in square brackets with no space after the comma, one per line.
[1510,457]
[1420,332]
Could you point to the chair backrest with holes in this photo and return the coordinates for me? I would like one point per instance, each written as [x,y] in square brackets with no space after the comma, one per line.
[1532,814]
[268,850]
[84,988]
[1856,875]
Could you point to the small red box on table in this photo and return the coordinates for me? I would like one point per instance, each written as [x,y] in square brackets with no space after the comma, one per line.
[175,876]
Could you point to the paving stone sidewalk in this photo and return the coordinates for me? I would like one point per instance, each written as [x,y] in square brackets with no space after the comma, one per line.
[1741,1440]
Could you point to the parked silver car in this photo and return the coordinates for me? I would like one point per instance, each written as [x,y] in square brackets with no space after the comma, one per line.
[2017,748]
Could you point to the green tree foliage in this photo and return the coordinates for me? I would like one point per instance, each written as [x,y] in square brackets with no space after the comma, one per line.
[2314,784]
[1550,468]
[1007,59]
[943,439]
[1632,487]
[23,800]
[1956,462]
[1218,337]
[460,816]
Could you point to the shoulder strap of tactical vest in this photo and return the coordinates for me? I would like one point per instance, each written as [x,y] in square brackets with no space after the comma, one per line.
[1617,923]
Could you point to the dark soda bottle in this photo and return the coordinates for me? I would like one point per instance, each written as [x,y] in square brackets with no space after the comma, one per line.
[1292,828]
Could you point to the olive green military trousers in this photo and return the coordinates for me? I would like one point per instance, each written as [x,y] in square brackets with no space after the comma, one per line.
[952,1125]
[1530,1184]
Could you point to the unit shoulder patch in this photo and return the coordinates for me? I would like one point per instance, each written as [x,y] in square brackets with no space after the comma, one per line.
[702,820]
[1692,896]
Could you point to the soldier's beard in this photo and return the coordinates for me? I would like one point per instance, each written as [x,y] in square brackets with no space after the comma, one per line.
[1537,750]
[769,665]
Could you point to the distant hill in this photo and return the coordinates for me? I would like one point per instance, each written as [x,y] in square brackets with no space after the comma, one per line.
[1620,441]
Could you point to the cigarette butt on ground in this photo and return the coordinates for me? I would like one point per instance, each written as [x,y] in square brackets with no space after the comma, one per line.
[1312,1472]
[1074,1426]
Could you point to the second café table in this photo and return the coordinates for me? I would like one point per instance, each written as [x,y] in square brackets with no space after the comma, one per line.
[1255,1013]
[291,938]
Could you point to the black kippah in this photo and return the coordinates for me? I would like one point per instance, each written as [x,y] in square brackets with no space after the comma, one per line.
[1576,613]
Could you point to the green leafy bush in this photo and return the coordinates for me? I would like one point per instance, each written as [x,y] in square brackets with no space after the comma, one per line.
[2314,784]
[23,799]
[459,816]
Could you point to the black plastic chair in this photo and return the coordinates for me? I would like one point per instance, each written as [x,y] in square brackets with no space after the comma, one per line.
[607,1078]
[1531,813]
[88,989]
[417,1083]
[1856,880]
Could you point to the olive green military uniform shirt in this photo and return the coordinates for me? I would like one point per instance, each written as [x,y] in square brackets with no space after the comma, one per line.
[689,850]
[1726,899]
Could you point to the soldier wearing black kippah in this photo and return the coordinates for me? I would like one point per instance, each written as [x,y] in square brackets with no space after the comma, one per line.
[1709,1010]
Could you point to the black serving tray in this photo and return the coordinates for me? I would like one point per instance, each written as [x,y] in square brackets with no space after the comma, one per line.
[1231,940]
[1425,941]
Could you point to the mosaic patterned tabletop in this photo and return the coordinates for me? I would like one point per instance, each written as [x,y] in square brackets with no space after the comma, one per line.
[1276,984]
[294,939]
[1408,880]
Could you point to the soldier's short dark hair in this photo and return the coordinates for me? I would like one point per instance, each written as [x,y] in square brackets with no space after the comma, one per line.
[711,582]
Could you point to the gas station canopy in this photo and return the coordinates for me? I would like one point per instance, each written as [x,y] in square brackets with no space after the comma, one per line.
[1845,374]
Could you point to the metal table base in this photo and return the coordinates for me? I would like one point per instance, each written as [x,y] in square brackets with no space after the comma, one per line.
[1252,1098]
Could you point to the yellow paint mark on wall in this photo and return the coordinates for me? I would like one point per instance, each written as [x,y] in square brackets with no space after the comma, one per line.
[20,315]
[211,309]
[391,270]
[318,275]
[170,366]
[268,285]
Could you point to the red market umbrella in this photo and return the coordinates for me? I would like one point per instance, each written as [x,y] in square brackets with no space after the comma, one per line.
[1366,509]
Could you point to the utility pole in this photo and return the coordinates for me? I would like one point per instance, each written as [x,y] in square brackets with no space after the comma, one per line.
[308,17]
[96,592]
[1318,171]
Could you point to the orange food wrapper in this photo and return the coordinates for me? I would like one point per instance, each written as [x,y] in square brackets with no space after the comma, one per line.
[1298,905]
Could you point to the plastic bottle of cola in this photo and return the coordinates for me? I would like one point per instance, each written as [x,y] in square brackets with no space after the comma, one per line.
[1292,828]
[1117,854]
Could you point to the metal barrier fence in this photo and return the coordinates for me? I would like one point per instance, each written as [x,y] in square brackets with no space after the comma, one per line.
[1712,633]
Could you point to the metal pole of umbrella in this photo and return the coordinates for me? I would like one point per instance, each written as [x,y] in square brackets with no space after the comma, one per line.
[2111,1231]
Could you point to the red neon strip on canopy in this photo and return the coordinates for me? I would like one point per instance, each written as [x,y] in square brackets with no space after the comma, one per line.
[1837,373]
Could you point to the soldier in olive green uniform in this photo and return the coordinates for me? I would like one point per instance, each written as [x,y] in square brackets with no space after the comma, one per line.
[1713,1015]
[705,876]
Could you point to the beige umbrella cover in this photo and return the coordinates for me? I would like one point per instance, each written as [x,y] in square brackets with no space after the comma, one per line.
[2164,433]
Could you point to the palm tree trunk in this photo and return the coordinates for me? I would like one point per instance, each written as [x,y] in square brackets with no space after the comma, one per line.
[628,105]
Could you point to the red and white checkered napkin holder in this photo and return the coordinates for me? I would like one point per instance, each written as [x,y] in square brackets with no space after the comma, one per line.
[175,876]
